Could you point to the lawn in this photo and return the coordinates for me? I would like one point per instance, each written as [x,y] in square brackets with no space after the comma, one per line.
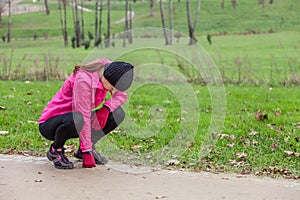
[229,106]
[156,120]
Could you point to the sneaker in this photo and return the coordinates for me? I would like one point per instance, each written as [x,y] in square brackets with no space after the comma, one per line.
[59,158]
[99,159]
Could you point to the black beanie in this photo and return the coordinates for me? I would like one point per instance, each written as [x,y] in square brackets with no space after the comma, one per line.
[119,75]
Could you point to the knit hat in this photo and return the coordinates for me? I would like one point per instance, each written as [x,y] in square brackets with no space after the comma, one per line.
[119,75]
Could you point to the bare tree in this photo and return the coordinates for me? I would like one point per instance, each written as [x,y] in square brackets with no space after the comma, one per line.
[130,39]
[47,7]
[162,14]
[100,23]
[9,21]
[96,23]
[63,20]
[234,3]
[82,21]
[151,8]
[171,20]
[77,25]
[193,27]
[125,34]
[223,4]
[108,24]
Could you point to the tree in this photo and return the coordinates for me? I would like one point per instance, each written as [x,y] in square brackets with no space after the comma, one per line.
[163,22]
[193,27]
[47,7]
[125,35]
[9,21]
[77,25]
[151,8]
[171,20]
[130,22]
[108,24]
[82,22]
[96,23]
[63,21]
[100,23]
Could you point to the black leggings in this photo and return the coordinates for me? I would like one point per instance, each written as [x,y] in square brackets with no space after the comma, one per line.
[63,127]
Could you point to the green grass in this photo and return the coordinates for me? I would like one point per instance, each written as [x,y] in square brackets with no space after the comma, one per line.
[251,59]
[157,109]
[248,16]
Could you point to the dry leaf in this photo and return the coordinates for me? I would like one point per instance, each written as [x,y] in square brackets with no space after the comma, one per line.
[291,153]
[260,116]
[172,162]
[3,132]
[241,155]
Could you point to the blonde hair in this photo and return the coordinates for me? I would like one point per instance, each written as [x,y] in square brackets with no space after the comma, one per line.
[91,67]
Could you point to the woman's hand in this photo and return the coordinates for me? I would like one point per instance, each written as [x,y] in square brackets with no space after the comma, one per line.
[88,160]
[100,118]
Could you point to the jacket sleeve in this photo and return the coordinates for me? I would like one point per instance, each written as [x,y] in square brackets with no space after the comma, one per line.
[118,98]
[83,103]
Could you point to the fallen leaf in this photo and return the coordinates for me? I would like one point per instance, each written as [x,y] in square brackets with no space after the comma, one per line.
[172,162]
[241,155]
[291,153]
[161,197]
[32,122]
[260,116]
[3,132]
[227,136]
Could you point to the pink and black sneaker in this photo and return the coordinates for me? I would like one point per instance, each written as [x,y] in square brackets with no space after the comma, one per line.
[59,158]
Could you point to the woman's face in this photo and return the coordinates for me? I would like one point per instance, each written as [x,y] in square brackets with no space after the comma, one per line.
[106,84]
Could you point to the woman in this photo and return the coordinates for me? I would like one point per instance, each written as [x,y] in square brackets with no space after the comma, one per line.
[70,113]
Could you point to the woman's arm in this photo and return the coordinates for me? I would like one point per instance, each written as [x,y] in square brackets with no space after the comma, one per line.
[118,98]
[83,103]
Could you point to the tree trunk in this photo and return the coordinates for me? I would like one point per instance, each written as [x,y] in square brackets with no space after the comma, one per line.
[63,22]
[163,21]
[47,7]
[125,35]
[151,8]
[108,24]
[100,23]
[96,23]
[82,22]
[130,22]
[193,27]
[9,21]
[77,25]
[171,20]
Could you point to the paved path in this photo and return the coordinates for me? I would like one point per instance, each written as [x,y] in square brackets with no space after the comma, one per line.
[31,178]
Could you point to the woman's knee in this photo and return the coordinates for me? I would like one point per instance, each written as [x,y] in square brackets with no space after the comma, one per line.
[118,115]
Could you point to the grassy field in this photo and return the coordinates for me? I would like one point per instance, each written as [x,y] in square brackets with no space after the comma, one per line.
[245,144]
[247,16]
[255,50]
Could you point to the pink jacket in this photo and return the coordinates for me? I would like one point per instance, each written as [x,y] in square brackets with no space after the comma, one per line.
[82,92]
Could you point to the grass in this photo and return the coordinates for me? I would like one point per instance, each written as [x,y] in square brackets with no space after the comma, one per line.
[162,122]
[248,16]
[244,145]
[252,59]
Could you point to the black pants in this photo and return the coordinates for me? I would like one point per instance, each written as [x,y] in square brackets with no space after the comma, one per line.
[63,127]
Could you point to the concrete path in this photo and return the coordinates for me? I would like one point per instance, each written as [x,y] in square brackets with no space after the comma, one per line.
[31,178]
